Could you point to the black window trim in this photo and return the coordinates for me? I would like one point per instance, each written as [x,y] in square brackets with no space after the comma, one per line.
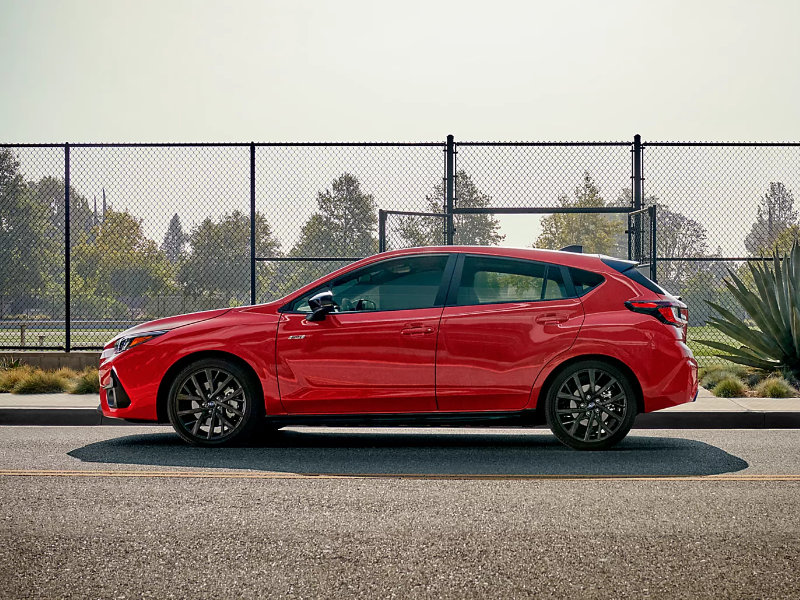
[452,295]
[441,294]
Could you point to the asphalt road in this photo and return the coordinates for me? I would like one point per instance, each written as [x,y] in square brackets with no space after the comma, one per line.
[110,512]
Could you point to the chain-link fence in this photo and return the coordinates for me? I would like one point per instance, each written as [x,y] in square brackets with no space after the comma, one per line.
[317,203]
[720,207]
[159,229]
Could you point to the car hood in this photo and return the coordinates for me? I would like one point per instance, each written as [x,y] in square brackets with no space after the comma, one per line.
[170,323]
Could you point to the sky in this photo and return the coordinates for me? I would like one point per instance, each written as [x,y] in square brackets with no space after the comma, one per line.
[352,70]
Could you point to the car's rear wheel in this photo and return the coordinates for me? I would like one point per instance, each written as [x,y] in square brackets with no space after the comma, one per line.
[590,405]
[214,402]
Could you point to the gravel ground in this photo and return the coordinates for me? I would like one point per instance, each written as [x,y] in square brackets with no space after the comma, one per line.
[322,537]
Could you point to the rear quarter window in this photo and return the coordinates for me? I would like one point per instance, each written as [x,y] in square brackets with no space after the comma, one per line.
[584,281]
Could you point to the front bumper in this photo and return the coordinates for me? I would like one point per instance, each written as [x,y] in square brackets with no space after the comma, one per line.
[129,384]
[116,396]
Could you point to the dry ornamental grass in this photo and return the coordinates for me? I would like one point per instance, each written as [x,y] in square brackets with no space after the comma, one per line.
[25,379]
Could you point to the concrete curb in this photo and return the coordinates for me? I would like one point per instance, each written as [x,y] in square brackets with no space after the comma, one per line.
[57,416]
[719,420]
[66,416]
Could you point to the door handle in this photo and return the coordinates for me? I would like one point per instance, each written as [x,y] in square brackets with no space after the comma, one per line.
[551,318]
[416,330]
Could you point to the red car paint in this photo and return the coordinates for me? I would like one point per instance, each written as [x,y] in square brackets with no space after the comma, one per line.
[451,359]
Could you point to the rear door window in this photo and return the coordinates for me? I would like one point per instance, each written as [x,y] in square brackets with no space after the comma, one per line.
[491,280]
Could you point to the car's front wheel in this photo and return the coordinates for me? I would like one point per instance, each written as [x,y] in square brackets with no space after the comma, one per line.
[213,402]
[590,405]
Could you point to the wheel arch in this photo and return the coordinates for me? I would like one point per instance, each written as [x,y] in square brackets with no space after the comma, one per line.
[615,362]
[180,364]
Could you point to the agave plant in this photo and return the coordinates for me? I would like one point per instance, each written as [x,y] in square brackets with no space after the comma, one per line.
[774,307]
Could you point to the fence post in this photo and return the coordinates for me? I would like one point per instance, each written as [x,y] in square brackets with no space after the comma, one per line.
[653,248]
[252,223]
[629,231]
[381,230]
[67,252]
[637,195]
[449,190]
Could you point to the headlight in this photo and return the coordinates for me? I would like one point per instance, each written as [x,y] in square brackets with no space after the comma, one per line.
[129,341]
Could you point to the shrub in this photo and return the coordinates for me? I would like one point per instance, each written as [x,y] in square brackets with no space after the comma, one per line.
[730,387]
[790,377]
[711,375]
[86,382]
[66,373]
[754,377]
[772,303]
[10,363]
[39,382]
[775,387]
[710,380]
[10,377]
[29,380]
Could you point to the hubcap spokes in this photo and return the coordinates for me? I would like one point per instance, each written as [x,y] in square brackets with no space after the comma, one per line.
[591,405]
[210,404]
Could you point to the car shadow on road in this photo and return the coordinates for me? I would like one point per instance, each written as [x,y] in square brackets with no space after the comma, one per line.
[427,451]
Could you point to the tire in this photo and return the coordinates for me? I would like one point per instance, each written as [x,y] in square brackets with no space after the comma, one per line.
[577,418]
[224,412]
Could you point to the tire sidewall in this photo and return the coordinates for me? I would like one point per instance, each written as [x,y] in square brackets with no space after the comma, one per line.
[558,430]
[253,412]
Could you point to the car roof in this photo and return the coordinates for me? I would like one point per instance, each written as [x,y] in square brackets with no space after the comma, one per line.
[569,259]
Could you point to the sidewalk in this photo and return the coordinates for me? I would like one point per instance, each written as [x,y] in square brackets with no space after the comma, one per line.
[708,412]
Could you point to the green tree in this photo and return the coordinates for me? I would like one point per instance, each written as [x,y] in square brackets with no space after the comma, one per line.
[784,241]
[470,230]
[117,261]
[23,228]
[174,240]
[216,270]
[595,232]
[775,214]
[48,193]
[345,224]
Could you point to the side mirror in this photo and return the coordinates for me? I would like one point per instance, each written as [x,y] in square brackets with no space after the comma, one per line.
[321,304]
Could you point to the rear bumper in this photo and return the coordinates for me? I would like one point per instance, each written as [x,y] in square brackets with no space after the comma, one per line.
[678,386]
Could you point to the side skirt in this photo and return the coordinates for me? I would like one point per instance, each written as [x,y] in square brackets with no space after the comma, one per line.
[519,417]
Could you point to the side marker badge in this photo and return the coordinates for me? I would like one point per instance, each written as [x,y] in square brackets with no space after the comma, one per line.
[296,337]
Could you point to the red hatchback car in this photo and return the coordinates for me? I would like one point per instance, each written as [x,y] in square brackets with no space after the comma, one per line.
[441,335]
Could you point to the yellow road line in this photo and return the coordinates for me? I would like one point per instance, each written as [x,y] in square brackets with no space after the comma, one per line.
[442,476]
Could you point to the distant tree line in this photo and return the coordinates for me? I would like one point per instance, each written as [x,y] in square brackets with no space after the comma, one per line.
[118,272]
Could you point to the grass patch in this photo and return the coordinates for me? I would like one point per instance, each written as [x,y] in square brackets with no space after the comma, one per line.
[731,387]
[712,374]
[66,373]
[775,387]
[86,382]
[29,380]
[10,377]
[40,382]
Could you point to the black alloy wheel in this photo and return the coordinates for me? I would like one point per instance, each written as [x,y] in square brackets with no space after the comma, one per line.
[591,405]
[213,402]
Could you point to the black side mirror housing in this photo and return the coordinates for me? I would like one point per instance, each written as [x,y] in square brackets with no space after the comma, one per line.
[321,304]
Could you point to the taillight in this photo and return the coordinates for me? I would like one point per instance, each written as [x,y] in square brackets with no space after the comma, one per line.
[671,313]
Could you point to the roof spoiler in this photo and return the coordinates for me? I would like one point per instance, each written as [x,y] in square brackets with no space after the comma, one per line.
[577,248]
